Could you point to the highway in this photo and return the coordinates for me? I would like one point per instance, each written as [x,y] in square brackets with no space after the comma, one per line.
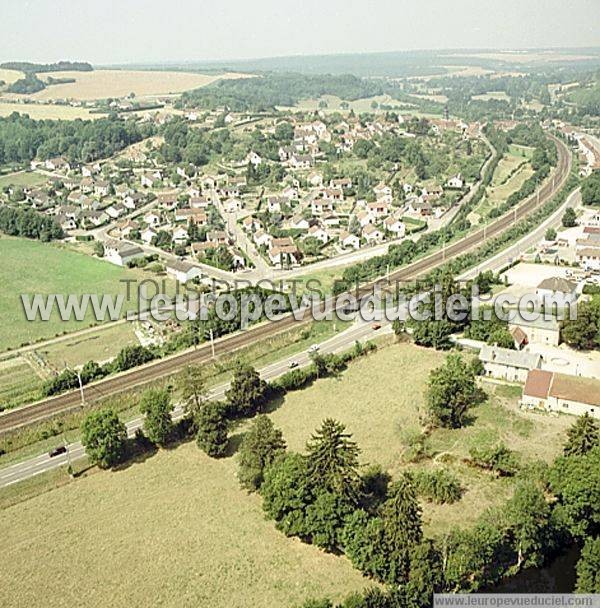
[115,384]
[343,341]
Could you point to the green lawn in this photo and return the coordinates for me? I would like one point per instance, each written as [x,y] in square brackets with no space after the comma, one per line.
[19,383]
[24,178]
[30,267]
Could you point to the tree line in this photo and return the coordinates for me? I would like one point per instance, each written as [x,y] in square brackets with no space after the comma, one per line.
[23,139]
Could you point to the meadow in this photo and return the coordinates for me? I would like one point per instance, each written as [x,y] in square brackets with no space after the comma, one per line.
[30,267]
[41,111]
[178,530]
[23,178]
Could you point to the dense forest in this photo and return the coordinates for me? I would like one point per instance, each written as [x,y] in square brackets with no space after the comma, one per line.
[29,224]
[23,139]
[270,90]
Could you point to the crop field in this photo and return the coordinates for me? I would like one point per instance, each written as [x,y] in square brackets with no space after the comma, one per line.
[30,267]
[10,76]
[492,96]
[101,84]
[19,382]
[39,111]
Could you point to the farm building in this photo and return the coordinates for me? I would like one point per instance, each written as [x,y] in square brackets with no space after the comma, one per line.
[506,364]
[562,393]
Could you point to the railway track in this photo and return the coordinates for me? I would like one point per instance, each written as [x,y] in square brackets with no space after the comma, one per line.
[96,391]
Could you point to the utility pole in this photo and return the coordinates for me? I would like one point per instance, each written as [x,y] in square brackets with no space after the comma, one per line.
[212,343]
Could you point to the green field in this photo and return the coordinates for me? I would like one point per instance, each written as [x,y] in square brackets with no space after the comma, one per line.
[23,178]
[19,383]
[30,267]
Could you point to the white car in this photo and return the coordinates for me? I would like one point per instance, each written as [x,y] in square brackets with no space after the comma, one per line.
[313,349]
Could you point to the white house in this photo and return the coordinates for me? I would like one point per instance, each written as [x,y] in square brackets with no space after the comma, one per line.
[318,233]
[147,235]
[456,181]
[299,223]
[372,234]
[231,205]
[349,240]
[556,289]
[589,258]
[152,219]
[395,225]
[182,271]
[180,234]
[253,158]
[506,364]
[121,253]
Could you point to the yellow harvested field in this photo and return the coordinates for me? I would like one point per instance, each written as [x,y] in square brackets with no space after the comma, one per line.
[40,111]
[10,76]
[101,84]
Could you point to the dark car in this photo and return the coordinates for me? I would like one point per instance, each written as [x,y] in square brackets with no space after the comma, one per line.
[61,449]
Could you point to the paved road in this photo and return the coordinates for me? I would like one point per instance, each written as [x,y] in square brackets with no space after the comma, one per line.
[360,331]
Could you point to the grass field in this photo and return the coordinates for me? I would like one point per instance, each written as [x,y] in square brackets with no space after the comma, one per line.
[381,415]
[173,531]
[39,111]
[178,530]
[101,84]
[492,96]
[23,178]
[510,174]
[30,267]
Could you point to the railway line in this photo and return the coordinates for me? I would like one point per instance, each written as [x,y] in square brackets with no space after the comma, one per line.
[96,391]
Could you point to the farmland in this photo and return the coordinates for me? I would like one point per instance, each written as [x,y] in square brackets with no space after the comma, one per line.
[23,178]
[102,84]
[33,267]
[10,76]
[39,111]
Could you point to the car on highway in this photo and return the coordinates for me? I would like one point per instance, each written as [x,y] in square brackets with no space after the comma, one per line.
[313,349]
[376,326]
[292,364]
[57,451]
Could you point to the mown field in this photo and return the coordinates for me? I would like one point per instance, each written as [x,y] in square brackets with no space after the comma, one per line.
[177,529]
[23,178]
[10,76]
[19,382]
[173,531]
[101,84]
[30,267]
[39,111]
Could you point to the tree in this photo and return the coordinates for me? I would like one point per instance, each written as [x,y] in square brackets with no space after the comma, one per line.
[569,219]
[381,546]
[260,447]
[529,520]
[550,234]
[432,333]
[99,249]
[588,567]
[212,430]
[246,392]
[575,481]
[192,383]
[590,189]
[156,406]
[583,332]
[426,575]
[332,461]
[452,390]
[104,437]
[287,494]
[582,436]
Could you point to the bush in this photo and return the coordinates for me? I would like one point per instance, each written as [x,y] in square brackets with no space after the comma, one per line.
[439,486]
[499,459]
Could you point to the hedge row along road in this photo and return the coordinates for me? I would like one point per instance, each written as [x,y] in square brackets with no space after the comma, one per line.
[165,367]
